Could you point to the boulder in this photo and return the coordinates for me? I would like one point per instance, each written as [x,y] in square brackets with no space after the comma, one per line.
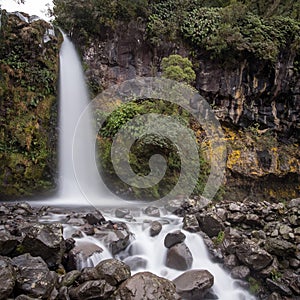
[135,262]
[179,257]
[94,219]
[33,276]
[46,241]
[240,272]
[211,225]
[279,287]
[294,203]
[92,290]
[194,284]
[155,228]
[152,211]
[121,212]
[7,277]
[190,223]
[146,286]
[8,242]
[116,237]
[173,238]
[230,261]
[253,256]
[78,257]
[280,247]
[70,278]
[113,271]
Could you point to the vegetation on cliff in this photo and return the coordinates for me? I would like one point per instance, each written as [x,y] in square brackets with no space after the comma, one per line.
[28,82]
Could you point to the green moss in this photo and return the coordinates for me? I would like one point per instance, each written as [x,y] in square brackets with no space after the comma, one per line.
[28,89]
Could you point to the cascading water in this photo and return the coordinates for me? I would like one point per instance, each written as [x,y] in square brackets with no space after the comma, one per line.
[73,101]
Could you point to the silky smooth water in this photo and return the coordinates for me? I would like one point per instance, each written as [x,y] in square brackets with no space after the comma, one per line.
[73,102]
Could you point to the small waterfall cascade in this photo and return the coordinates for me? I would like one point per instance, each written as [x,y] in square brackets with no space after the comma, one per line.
[150,253]
[146,249]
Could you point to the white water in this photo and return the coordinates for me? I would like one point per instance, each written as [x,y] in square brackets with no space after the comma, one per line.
[73,100]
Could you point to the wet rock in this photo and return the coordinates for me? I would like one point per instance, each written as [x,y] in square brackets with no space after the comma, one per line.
[174,238]
[194,284]
[113,271]
[75,221]
[7,277]
[93,219]
[175,206]
[152,211]
[70,244]
[33,276]
[190,223]
[121,212]
[46,241]
[78,256]
[70,278]
[179,257]
[155,228]
[281,288]
[91,290]
[88,273]
[253,257]
[240,272]
[8,242]
[230,261]
[210,225]
[253,220]
[135,262]
[279,247]
[146,285]
[116,237]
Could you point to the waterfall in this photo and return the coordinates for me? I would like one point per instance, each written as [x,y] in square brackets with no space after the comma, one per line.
[80,184]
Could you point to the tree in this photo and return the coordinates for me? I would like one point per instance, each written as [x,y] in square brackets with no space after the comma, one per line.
[178,68]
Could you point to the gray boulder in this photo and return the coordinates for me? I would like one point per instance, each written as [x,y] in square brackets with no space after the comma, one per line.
[92,290]
[7,277]
[146,286]
[179,257]
[155,228]
[46,241]
[113,271]
[211,225]
[253,256]
[33,276]
[194,284]
[173,238]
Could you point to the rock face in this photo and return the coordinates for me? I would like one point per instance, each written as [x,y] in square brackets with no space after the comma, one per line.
[194,284]
[146,285]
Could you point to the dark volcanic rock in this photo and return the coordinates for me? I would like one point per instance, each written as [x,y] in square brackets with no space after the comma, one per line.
[146,285]
[280,247]
[155,228]
[7,277]
[152,211]
[240,272]
[174,238]
[92,290]
[113,271]
[179,257]
[33,276]
[8,242]
[46,241]
[254,257]
[194,284]
[210,225]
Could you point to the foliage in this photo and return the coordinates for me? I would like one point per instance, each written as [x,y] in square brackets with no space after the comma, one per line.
[144,148]
[178,68]
[28,80]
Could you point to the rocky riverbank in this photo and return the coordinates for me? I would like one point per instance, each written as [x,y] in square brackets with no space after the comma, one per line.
[41,258]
